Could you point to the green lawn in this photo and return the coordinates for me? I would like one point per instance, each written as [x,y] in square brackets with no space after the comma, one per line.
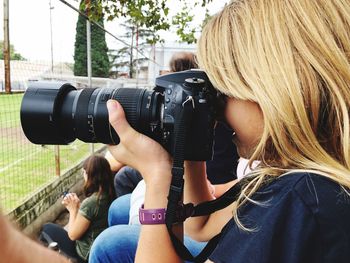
[24,167]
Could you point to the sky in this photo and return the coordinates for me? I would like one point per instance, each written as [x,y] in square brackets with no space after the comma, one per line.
[31,35]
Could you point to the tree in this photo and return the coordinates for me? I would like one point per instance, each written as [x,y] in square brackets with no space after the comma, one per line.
[13,54]
[99,50]
[125,57]
[151,14]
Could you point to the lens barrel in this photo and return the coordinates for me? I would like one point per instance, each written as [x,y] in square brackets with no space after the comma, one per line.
[58,113]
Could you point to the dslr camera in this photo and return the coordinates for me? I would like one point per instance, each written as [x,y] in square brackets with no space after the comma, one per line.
[58,113]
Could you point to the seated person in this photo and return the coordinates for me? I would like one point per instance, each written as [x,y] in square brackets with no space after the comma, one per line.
[89,218]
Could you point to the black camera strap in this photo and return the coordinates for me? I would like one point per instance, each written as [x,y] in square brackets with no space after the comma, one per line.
[176,192]
[177,181]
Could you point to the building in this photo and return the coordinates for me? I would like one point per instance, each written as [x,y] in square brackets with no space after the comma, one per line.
[23,71]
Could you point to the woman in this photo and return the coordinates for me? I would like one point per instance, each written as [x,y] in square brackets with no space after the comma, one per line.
[284,66]
[89,218]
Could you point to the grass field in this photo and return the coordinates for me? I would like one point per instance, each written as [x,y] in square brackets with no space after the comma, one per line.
[24,167]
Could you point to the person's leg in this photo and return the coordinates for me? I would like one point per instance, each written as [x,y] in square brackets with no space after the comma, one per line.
[119,243]
[125,180]
[59,235]
[118,212]
[116,244]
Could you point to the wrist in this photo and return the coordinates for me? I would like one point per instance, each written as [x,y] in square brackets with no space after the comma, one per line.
[157,190]
[156,197]
[73,213]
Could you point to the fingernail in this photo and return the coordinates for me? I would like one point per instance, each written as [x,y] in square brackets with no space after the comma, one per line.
[112,105]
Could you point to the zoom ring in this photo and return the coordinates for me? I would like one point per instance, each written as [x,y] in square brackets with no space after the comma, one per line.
[130,99]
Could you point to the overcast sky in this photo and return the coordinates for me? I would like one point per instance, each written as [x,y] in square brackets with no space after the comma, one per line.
[30,27]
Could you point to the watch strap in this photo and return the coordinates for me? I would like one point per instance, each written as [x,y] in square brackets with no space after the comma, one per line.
[152,216]
[157,216]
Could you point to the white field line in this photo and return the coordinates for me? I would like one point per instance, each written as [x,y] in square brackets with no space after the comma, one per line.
[18,161]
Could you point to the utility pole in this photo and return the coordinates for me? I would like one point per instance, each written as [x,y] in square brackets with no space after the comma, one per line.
[88,50]
[57,147]
[51,38]
[7,47]
[137,55]
[131,52]
[88,43]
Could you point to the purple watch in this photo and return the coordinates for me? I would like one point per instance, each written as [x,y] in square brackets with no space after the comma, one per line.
[152,216]
[157,216]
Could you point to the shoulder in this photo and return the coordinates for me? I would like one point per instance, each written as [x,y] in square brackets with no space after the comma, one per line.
[312,204]
[302,196]
[306,185]
[315,191]
[326,200]
[90,204]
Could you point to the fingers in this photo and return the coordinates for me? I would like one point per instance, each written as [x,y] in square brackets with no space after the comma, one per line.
[118,121]
[70,197]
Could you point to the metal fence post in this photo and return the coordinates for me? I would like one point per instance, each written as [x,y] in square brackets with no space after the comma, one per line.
[88,50]
[7,47]
[57,160]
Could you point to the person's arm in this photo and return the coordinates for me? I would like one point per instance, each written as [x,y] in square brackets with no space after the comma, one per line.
[197,191]
[77,223]
[17,248]
[156,237]
[220,189]
[154,163]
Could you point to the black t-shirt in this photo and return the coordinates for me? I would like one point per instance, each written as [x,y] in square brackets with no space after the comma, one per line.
[304,218]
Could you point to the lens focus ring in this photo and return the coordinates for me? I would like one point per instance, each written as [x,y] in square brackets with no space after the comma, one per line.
[131,100]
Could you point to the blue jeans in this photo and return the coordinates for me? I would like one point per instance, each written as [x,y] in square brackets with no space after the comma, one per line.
[118,243]
[118,212]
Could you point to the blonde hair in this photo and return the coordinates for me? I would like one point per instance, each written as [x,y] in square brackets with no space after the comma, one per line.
[292,57]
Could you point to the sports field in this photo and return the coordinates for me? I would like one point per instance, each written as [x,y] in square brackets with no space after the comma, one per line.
[25,167]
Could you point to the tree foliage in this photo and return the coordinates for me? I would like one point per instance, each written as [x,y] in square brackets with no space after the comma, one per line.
[151,14]
[99,50]
[13,54]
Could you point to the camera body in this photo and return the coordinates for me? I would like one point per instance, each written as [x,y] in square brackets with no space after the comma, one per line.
[193,87]
[58,113]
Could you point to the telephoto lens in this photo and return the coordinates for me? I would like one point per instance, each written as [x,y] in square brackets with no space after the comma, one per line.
[58,113]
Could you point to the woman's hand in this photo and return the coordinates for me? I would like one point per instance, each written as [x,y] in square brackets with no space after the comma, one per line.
[137,150]
[71,202]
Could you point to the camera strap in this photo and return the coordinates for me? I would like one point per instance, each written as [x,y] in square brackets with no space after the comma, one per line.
[176,191]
